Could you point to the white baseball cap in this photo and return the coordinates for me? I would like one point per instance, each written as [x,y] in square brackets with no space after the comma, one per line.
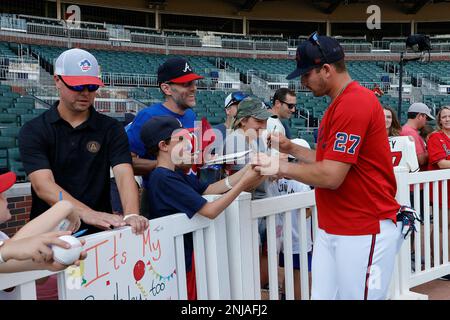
[300,142]
[420,107]
[78,67]
[234,98]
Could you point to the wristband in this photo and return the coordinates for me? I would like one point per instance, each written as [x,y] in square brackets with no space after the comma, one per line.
[1,258]
[227,183]
[130,215]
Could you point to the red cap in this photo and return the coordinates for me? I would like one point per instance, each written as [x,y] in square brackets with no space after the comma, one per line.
[186,78]
[81,80]
[7,180]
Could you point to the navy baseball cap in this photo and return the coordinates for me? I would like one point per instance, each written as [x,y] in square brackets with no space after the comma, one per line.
[158,129]
[314,52]
[176,70]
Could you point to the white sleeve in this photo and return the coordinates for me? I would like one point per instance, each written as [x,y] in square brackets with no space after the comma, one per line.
[411,157]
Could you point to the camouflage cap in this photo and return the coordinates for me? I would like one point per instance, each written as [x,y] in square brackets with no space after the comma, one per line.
[251,107]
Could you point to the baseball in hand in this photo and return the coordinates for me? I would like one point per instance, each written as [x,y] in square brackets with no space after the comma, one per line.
[67,256]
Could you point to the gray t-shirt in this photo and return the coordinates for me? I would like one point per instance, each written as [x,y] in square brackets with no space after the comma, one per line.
[238,142]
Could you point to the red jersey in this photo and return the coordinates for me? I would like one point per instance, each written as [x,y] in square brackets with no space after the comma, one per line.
[353,131]
[438,149]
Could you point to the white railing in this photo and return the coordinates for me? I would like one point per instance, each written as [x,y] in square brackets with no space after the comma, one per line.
[19,68]
[129,79]
[430,244]
[269,209]
[227,248]
[12,23]
[228,80]
[61,31]
[260,87]
[209,241]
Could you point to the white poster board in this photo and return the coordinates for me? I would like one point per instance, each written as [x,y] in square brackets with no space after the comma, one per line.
[123,266]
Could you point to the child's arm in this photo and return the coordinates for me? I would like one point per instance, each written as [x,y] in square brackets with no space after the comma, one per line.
[214,208]
[220,187]
[49,220]
[34,253]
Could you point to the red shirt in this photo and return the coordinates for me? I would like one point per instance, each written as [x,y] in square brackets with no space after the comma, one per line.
[418,140]
[353,131]
[438,149]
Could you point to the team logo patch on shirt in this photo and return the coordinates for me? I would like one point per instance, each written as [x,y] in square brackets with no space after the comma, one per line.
[85,65]
[93,146]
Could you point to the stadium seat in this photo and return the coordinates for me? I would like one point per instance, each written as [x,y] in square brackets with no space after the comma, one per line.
[7,142]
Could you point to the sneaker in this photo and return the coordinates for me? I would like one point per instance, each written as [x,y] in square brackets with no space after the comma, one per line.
[445,278]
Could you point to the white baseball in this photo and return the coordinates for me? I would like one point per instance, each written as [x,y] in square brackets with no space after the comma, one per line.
[67,256]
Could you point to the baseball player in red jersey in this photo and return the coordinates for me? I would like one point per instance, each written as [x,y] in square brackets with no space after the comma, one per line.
[355,247]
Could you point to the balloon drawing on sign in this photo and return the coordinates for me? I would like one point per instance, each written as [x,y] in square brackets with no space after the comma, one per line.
[138,272]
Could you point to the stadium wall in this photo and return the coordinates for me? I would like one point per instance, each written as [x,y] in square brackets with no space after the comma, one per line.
[153,49]
[282,10]
[19,205]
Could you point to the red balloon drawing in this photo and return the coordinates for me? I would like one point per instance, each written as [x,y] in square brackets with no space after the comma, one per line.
[139,270]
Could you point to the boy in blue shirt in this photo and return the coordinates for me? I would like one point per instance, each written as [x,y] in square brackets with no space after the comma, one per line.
[174,192]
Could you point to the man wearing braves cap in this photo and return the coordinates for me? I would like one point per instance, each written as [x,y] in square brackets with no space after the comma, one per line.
[355,187]
[68,151]
[177,82]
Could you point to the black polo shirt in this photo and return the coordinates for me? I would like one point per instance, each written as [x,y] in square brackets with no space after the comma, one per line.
[80,158]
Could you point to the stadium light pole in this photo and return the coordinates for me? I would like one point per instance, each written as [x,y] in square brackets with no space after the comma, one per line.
[403,61]
[419,43]
[400,85]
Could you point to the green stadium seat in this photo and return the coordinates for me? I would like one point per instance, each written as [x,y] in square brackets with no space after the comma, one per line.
[24,118]
[7,142]
[216,120]
[17,111]
[10,132]
[7,119]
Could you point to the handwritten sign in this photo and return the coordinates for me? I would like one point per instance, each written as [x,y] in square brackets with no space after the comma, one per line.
[123,266]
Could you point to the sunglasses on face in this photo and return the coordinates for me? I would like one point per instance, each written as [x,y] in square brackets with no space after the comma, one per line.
[236,97]
[80,88]
[289,105]
[314,38]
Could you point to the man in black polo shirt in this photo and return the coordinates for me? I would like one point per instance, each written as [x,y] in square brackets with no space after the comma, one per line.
[71,147]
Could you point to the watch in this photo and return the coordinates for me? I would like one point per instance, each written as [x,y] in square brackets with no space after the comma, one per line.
[1,258]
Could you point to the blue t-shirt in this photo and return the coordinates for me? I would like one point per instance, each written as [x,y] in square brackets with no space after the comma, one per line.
[174,192]
[134,128]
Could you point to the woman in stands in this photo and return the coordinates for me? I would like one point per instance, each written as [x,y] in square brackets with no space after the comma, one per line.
[393,127]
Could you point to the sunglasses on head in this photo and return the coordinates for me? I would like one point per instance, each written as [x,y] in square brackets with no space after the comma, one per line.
[80,88]
[236,97]
[289,105]
[314,38]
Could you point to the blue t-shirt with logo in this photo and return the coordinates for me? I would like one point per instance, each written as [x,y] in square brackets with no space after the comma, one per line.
[175,192]
[134,128]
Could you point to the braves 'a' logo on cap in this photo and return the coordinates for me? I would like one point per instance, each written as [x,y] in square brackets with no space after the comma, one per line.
[187,67]
[85,65]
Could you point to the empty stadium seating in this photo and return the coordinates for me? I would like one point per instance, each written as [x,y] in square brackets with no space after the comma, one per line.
[124,61]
